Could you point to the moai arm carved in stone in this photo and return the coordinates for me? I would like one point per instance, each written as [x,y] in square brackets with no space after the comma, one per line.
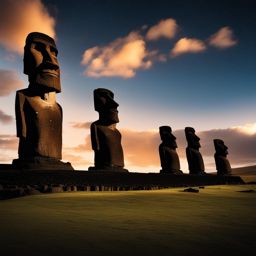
[105,138]
[222,164]
[167,150]
[194,157]
[38,115]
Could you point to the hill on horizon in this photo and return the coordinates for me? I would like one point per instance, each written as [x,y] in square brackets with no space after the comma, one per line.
[247,170]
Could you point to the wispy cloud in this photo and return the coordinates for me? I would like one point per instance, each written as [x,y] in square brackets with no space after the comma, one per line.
[85,125]
[18,18]
[4,118]
[122,58]
[224,38]
[9,82]
[77,161]
[164,29]
[8,142]
[188,45]
[247,128]
[141,147]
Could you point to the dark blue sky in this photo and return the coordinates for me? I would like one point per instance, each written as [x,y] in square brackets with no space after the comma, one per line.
[218,81]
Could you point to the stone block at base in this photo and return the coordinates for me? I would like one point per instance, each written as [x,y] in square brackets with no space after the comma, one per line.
[41,163]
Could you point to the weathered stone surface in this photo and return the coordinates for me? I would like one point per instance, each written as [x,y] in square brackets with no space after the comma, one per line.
[167,150]
[38,115]
[194,157]
[222,163]
[55,189]
[105,138]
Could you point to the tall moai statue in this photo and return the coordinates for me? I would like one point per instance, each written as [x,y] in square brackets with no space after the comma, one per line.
[194,157]
[38,115]
[105,138]
[167,151]
[222,164]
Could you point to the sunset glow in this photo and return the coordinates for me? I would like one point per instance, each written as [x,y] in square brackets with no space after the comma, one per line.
[173,63]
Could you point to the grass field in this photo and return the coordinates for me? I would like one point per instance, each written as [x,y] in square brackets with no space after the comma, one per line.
[218,220]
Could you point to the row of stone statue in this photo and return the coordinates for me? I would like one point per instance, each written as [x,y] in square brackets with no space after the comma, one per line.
[170,160]
[39,122]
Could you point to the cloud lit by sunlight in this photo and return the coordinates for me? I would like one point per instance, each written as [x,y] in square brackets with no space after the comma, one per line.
[165,28]
[249,129]
[8,142]
[121,58]
[188,45]
[85,125]
[223,38]
[4,118]
[9,82]
[19,18]
[141,148]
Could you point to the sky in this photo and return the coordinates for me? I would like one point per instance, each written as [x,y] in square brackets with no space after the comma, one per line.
[177,63]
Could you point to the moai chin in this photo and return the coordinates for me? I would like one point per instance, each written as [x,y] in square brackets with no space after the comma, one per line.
[222,164]
[105,138]
[38,115]
[169,158]
[194,157]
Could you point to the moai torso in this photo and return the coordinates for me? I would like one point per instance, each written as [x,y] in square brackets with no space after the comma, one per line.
[39,126]
[194,157]
[108,149]
[169,158]
[195,161]
[222,163]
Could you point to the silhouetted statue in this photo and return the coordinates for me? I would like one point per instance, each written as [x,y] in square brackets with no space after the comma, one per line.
[167,150]
[38,115]
[194,157]
[105,138]
[222,164]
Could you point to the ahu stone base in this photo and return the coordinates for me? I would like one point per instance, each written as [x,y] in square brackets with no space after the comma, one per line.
[15,182]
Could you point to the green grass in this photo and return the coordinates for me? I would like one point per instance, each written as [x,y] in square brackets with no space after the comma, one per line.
[216,221]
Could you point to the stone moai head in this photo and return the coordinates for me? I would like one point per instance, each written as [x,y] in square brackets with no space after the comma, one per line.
[41,64]
[167,137]
[106,106]
[220,147]
[192,138]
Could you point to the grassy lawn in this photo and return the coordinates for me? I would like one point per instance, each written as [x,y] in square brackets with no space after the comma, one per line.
[218,220]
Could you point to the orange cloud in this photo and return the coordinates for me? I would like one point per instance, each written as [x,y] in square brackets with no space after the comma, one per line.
[121,58]
[19,18]
[165,28]
[188,45]
[77,161]
[223,38]
[141,148]
[85,125]
[249,129]
[8,142]
[5,119]
[9,82]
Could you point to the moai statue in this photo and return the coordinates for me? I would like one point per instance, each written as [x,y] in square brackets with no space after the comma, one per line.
[105,138]
[194,157]
[167,150]
[222,164]
[38,115]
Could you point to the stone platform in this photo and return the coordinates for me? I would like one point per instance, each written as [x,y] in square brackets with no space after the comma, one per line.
[114,181]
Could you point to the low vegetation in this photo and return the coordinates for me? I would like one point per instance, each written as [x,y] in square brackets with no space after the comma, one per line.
[218,220]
